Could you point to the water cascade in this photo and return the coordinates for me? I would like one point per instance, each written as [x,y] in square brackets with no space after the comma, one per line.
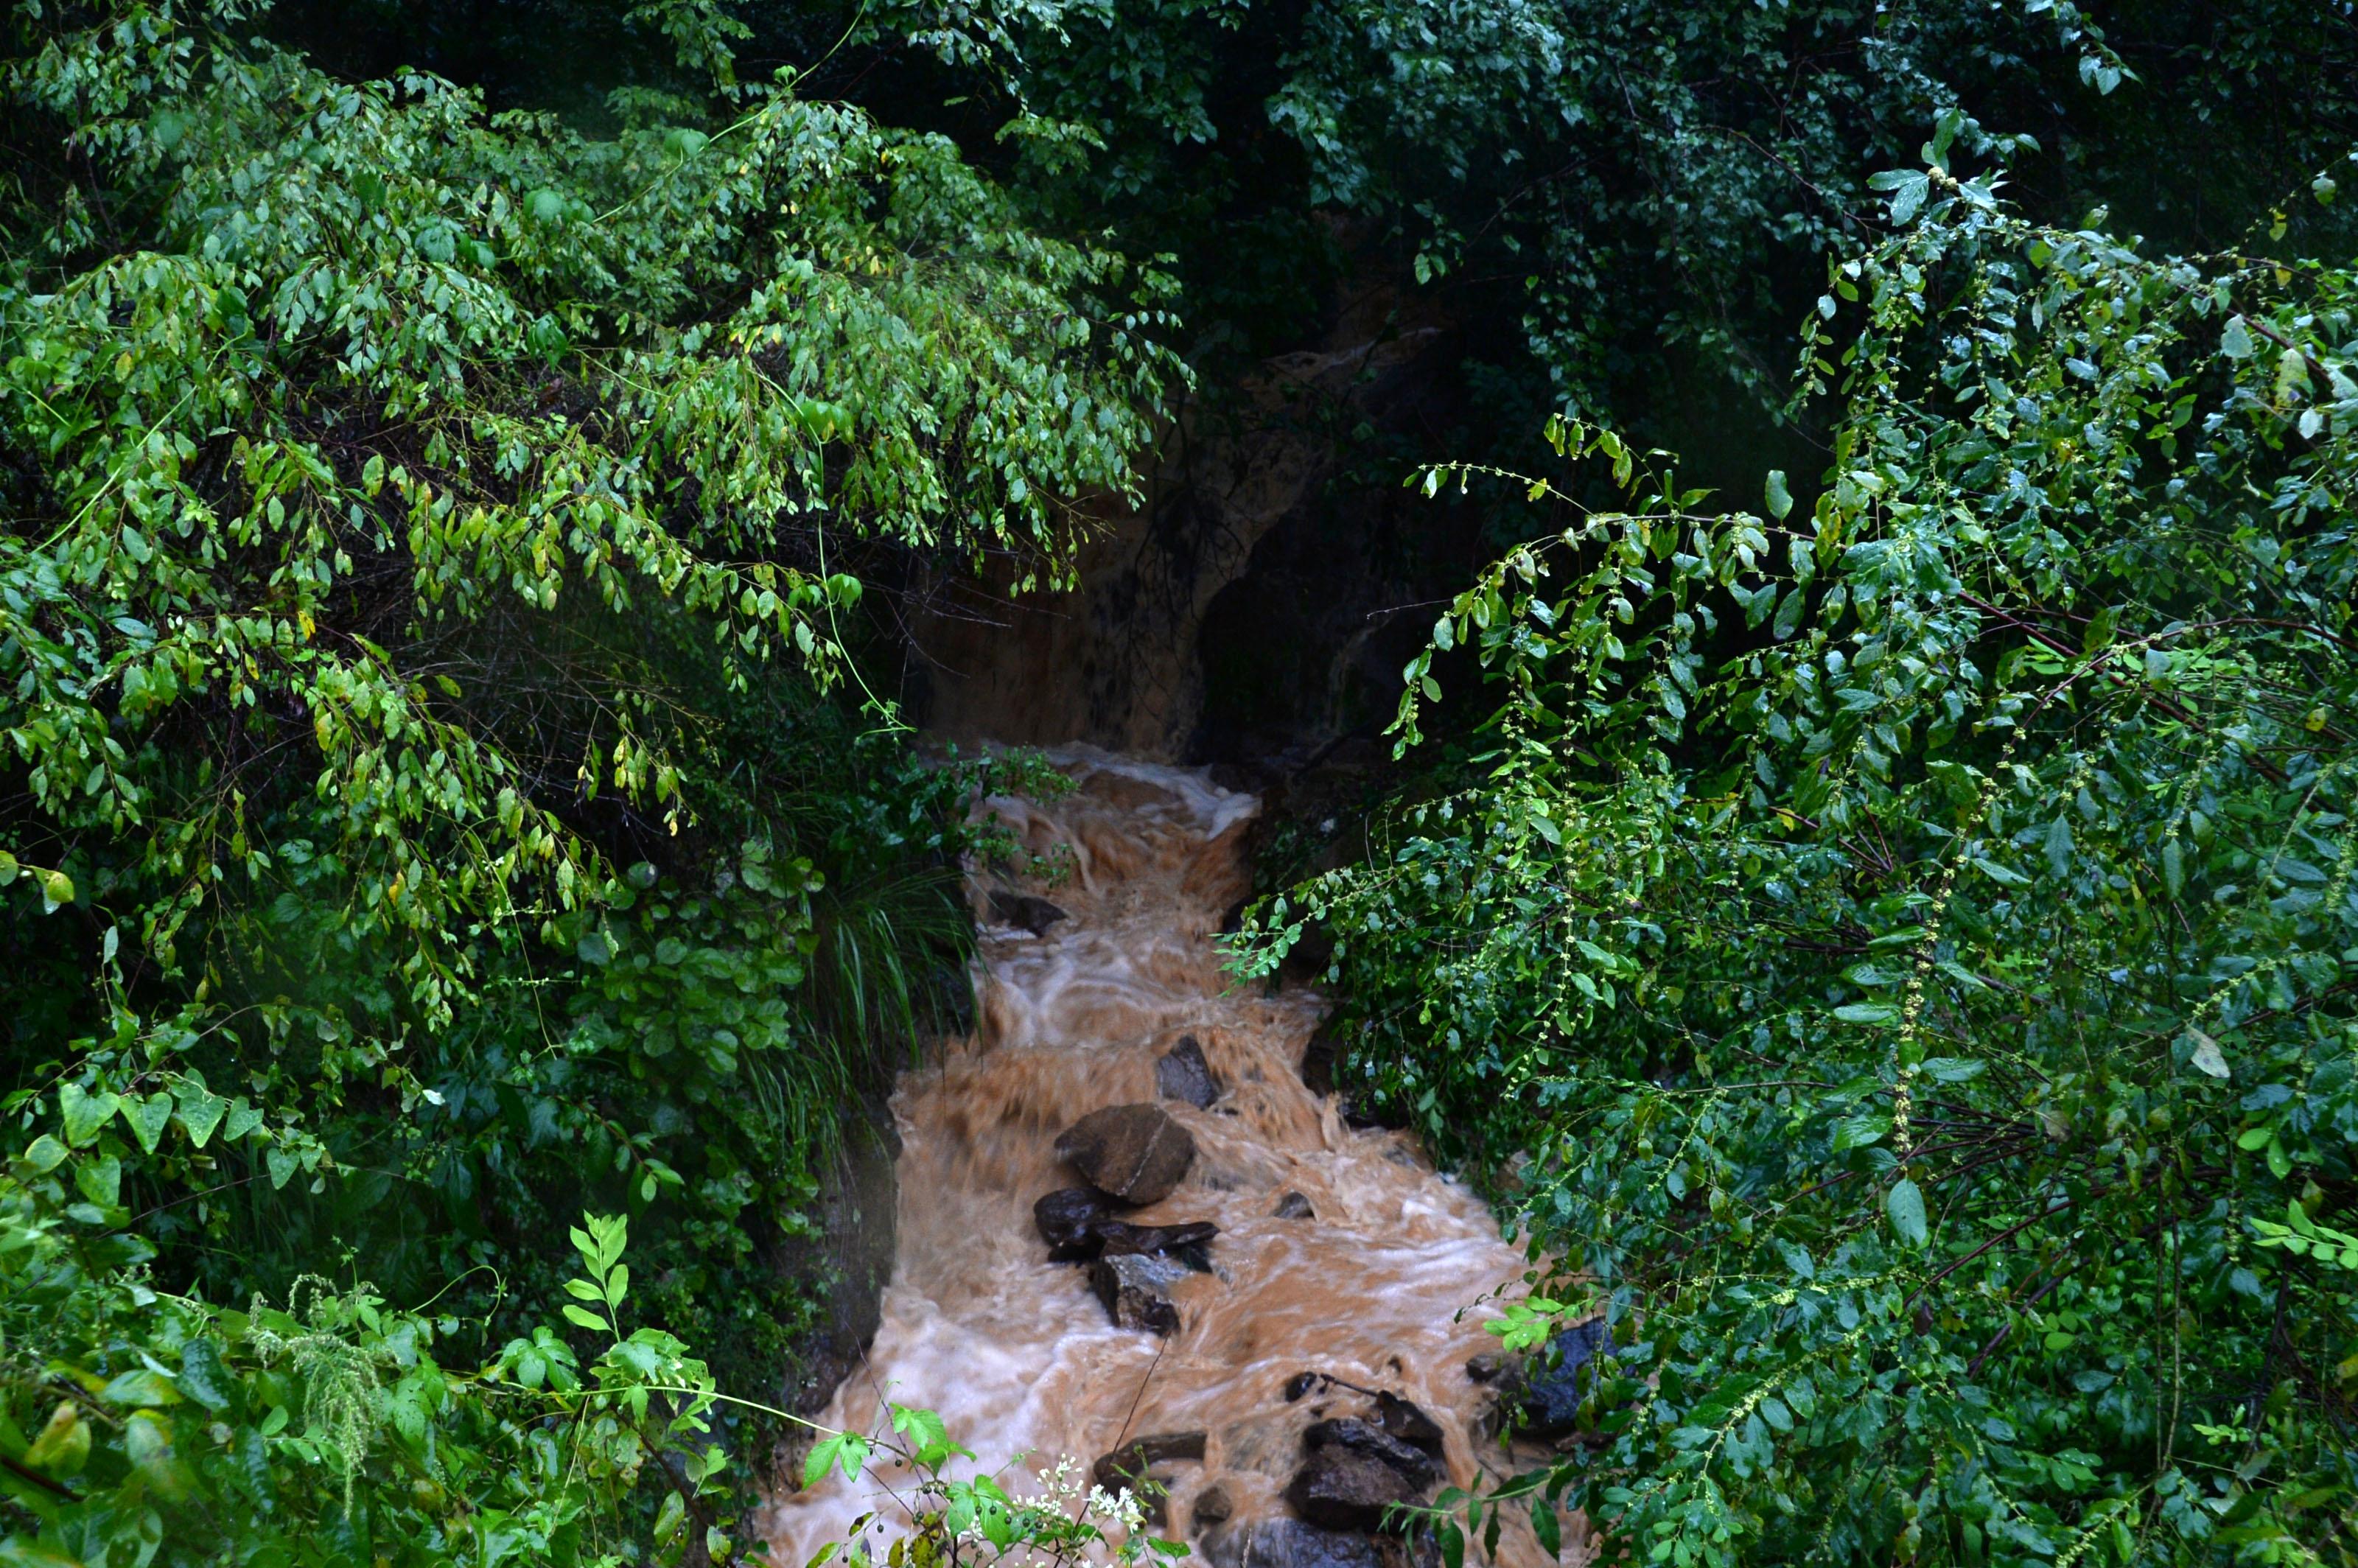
[1340,1254]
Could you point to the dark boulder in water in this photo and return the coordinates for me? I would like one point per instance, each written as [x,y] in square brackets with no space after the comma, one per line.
[1065,1217]
[1354,1472]
[1552,1394]
[1125,1466]
[1025,911]
[1134,1152]
[1405,1420]
[1078,1225]
[1294,1206]
[1287,1543]
[1189,1243]
[1183,1074]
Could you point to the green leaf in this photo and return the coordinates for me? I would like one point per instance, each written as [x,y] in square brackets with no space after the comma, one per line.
[844,1450]
[202,1377]
[199,1110]
[2207,1057]
[83,1113]
[2001,875]
[2235,342]
[584,1318]
[1904,1204]
[140,1387]
[1544,1525]
[148,1118]
[2059,846]
[1780,500]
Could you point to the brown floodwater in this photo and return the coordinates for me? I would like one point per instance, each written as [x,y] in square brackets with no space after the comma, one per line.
[1388,1286]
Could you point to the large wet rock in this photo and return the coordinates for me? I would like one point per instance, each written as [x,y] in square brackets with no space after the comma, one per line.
[1287,1543]
[1136,1290]
[1183,1074]
[1134,1152]
[1354,1472]
[1025,911]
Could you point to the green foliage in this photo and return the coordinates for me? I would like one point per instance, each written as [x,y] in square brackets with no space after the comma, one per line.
[436,788]
[141,1426]
[1898,947]
[945,1520]
[389,373]
[1606,178]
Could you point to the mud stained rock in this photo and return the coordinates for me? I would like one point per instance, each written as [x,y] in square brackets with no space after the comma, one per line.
[1136,1290]
[1294,1206]
[1134,1152]
[1183,1074]
[1213,1505]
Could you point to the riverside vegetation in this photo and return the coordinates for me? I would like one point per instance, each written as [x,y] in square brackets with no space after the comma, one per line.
[1888,951]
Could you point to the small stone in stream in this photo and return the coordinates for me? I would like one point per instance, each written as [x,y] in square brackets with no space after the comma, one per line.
[1552,1395]
[1125,1466]
[1287,1543]
[1354,1473]
[1134,1152]
[1294,1206]
[1300,1384]
[1183,1074]
[1136,1290]
[1190,1243]
[1212,1506]
[1399,1418]
[1025,911]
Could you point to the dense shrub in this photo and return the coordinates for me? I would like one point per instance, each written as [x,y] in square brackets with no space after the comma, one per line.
[1898,949]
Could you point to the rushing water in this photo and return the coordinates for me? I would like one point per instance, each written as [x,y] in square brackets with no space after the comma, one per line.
[1387,1287]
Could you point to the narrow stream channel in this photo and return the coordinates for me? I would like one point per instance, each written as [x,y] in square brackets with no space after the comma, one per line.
[1340,1252]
